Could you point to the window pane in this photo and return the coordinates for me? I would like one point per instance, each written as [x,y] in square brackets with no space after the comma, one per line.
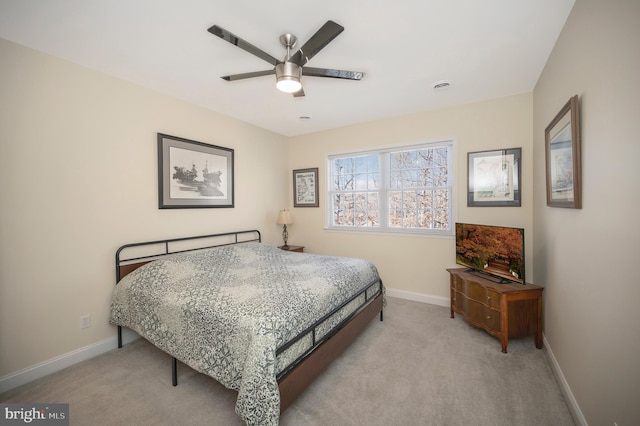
[346,183]
[394,179]
[425,199]
[362,164]
[361,181]
[410,219]
[374,180]
[372,200]
[395,200]
[440,176]
[409,200]
[425,219]
[361,218]
[344,165]
[374,220]
[373,163]
[395,218]
[441,219]
[347,201]
[441,199]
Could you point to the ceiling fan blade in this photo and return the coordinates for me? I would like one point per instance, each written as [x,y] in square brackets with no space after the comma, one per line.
[317,42]
[248,75]
[324,72]
[237,41]
[299,93]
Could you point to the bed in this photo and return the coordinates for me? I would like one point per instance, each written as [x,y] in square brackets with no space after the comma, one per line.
[260,320]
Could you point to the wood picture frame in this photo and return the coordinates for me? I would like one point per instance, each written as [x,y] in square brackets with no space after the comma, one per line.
[305,188]
[194,174]
[494,178]
[563,157]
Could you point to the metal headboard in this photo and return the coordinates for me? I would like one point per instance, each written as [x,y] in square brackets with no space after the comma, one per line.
[160,248]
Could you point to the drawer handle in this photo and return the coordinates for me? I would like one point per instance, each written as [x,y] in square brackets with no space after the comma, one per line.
[488,316]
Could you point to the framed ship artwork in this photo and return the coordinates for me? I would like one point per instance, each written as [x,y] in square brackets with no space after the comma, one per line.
[193,174]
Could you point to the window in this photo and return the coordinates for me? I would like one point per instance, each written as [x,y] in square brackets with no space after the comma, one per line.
[407,189]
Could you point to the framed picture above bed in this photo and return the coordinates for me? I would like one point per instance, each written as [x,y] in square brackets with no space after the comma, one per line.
[305,188]
[193,174]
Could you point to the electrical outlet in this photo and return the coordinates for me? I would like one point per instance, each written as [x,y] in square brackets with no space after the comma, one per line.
[85,321]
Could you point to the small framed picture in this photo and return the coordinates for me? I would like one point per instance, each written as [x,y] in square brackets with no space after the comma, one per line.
[193,174]
[494,178]
[305,188]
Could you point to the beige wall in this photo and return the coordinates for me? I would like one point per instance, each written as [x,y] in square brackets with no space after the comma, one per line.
[586,258]
[78,166]
[414,265]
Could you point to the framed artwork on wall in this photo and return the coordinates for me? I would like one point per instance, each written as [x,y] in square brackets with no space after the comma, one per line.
[193,174]
[305,188]
[494,178]
[562,158]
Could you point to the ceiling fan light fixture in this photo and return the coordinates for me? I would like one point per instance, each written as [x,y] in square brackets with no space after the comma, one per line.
[288,77]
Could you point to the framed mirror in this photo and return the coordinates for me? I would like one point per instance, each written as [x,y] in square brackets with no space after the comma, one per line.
[562,156]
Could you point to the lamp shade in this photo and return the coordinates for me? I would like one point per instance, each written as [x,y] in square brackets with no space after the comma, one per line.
[284,218]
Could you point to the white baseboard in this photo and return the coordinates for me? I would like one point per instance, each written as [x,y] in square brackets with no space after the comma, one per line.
[578,417]
[63,361]
[419,297]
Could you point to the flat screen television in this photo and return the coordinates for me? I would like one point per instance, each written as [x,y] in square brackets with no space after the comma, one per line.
[494,250]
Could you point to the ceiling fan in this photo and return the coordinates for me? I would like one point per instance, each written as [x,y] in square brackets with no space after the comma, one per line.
[289,71]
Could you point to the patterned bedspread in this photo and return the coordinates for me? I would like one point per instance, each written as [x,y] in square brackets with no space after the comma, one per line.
[224,312]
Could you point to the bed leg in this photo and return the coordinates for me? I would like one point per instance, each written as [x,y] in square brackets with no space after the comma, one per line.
[174,372]
[381,315]
[119,336]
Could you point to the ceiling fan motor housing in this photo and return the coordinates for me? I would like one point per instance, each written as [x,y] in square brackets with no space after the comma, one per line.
[288,77]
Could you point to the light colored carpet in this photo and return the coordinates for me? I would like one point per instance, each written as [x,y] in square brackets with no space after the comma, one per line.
[417,367]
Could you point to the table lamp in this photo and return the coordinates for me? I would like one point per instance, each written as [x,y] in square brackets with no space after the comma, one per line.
[284,219]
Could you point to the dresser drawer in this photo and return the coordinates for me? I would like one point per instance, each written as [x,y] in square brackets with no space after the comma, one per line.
[493,298]
[483,315]
[483,295]
[476,292]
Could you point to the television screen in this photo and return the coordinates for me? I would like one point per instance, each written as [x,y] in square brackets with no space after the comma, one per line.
[495,250]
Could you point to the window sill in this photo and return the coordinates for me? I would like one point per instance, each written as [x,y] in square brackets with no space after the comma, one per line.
[387,232]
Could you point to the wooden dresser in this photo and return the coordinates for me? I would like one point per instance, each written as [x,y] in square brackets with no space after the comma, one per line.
[502,310]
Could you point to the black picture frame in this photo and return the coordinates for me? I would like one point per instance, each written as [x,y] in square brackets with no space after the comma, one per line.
[194,174]
[305,188]
[494,178]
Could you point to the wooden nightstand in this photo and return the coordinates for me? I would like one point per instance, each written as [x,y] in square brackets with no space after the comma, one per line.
[299,249]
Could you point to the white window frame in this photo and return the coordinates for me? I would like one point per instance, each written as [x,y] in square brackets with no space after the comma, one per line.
[384,190]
